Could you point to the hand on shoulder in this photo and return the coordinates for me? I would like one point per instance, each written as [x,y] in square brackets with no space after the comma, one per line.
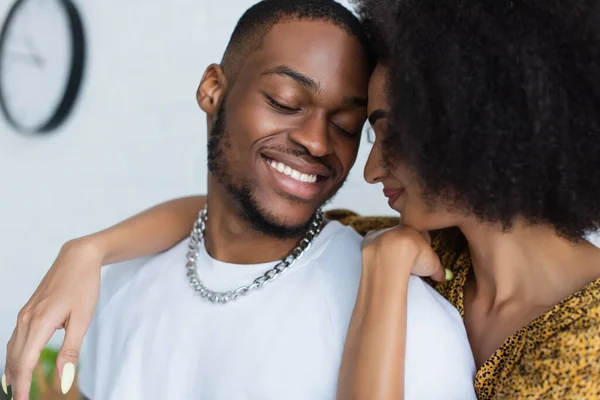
[401,250]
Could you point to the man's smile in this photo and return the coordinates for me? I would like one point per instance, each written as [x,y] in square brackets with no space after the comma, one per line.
[296,177]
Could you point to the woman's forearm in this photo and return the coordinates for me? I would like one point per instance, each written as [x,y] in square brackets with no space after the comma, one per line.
[373,361]
[152,231]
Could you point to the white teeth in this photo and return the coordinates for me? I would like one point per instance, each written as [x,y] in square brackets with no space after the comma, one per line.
[289,171]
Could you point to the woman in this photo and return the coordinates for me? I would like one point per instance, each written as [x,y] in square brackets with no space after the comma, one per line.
[492,127]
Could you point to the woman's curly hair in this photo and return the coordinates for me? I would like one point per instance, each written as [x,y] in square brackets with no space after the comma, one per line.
[496,104]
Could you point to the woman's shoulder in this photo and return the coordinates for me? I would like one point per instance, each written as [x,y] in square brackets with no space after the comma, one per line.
[576,317]
[561,347]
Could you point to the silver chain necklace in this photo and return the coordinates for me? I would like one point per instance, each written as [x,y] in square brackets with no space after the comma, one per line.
[197,239]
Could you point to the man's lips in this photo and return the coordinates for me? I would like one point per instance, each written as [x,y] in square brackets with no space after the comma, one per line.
[298,164]
[295,184]
[393,195]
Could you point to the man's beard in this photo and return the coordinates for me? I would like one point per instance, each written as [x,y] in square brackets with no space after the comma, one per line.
[219,145]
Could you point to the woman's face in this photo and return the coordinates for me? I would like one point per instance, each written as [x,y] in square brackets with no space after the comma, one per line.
[400,185]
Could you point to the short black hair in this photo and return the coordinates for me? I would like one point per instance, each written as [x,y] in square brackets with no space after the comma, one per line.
[496,106]
[258,20]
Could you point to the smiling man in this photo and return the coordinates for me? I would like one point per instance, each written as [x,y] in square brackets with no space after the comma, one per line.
[285,109]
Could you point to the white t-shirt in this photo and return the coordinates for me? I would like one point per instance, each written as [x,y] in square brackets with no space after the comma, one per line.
[154,338]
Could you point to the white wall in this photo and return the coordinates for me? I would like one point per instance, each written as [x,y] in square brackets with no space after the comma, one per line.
[136,137]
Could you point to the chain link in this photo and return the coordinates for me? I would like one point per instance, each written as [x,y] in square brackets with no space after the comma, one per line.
[197,238]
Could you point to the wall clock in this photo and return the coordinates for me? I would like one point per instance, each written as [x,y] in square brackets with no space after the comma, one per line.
[42,55]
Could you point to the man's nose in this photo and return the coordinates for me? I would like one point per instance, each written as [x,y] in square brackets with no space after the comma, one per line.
[313,135]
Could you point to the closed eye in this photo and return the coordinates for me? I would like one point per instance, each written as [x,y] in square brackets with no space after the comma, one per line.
[345,132]
[280,107]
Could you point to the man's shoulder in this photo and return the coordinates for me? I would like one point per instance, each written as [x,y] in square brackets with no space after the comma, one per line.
[140,274]
[333,273]
[428,314]
[338,256]
[428,304]
[437,342]
[337,234]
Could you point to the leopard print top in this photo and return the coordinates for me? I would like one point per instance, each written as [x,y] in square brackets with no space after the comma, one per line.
[556,356]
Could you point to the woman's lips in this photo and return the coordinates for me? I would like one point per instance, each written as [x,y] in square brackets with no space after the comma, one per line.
[393,195]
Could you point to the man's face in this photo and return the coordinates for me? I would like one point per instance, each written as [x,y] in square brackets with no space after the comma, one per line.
[287,134]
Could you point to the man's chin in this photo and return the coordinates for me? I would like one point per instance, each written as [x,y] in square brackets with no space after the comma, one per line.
[284,225]
[277,217]
[280,227]
[289,210]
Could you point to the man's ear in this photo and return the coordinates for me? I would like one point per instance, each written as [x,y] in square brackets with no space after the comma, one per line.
[211,91]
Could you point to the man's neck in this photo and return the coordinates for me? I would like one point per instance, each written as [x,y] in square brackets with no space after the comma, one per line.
[230,238]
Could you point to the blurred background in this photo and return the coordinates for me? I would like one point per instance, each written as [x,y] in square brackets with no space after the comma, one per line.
[134,136]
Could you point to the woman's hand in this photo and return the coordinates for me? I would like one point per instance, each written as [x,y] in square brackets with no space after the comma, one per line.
[68,294]
[66,298]
[389,248]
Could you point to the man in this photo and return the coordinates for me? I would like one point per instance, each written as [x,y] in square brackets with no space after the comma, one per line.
[285,110]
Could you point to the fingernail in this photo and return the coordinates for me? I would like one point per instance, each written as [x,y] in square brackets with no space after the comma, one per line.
[449,275]
[4,387]
[68,376]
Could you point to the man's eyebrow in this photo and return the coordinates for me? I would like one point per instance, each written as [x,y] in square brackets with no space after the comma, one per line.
[355,101]
[302,79]
[377,115]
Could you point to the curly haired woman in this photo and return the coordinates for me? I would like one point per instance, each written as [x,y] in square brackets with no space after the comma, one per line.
[493,126]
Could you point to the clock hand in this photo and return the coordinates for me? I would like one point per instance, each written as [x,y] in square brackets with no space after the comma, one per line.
[39,61]
[31,58]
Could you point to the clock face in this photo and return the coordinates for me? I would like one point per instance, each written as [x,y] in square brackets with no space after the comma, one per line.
[41,61]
